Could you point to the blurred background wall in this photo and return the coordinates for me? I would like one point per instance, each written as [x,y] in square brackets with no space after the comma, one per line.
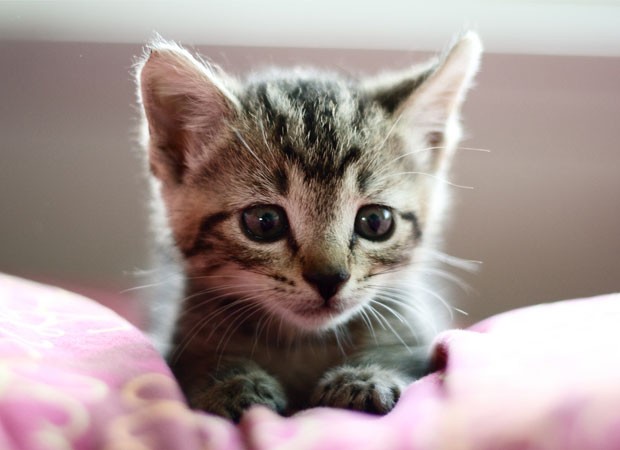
[544,214]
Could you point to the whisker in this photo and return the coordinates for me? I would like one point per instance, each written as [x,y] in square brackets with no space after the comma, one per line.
[469,265]
[241,316]
[460,311]
[191,334]
[280,329]
[205,277]
[446,276]
[264,135]
[143,286]
[257,334]
[188,309]
[220,288]
[378,318]
[405,294]
[475,149]
[441,147]
[248,313]
[391,310]
[423,316]
[245,144]
[435,177]
[144,273]
[272,317]
[389,325]
[401,301]
[336,331]
[395,313]
[438,297]
[391,130]
[368,323]
[168,270]
[185,310]
[392,269]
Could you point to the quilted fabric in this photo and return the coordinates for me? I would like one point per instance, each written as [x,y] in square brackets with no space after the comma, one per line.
[75,375]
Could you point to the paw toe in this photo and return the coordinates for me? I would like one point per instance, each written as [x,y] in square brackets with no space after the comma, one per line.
[371,390]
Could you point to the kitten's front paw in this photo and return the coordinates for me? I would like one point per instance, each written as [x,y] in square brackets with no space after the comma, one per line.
[370,389]
[231,396]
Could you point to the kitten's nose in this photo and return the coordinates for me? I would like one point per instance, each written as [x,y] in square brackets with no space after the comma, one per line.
[327,283]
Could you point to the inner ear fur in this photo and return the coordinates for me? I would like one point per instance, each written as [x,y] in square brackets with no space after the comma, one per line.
[428,98]
[186,105]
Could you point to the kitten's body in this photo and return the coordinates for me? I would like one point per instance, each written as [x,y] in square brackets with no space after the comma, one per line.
[297,206]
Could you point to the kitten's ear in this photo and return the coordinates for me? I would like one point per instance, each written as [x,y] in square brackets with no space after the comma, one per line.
[186,106]
[428,99]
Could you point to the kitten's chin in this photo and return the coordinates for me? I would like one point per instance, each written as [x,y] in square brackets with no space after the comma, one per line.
[320,318]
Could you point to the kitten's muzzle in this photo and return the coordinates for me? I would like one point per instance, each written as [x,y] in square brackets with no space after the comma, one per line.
[327,283]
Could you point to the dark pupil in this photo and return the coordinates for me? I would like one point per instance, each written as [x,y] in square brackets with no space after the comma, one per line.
[374,221]
[268,221]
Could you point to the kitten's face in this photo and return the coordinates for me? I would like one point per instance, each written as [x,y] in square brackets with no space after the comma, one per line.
[301,196]
[311,202]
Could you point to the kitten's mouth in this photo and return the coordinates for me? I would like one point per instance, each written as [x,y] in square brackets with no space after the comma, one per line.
[321,311]
[323,316]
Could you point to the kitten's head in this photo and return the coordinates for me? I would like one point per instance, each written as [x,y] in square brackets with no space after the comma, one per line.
[302,192]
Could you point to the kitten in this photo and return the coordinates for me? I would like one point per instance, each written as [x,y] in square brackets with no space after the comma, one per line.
[297,205]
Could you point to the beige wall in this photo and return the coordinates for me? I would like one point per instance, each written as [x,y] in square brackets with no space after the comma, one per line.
[544,216]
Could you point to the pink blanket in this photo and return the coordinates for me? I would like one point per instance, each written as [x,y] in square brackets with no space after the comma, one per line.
[73,374]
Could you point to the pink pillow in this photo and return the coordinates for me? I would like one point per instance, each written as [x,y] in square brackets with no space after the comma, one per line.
[73,374]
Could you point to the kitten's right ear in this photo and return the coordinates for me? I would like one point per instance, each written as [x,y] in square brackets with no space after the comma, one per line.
[186,106]
[428,98]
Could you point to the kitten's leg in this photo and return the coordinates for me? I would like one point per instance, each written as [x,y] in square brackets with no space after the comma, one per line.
[371,382]
[239,384]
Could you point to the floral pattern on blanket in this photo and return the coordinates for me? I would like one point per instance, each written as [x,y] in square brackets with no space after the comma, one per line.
[74,375]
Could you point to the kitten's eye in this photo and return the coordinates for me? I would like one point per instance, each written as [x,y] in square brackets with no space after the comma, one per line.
[266,223]
[374,222]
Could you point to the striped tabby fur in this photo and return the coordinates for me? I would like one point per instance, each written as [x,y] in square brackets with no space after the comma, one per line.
[320,314]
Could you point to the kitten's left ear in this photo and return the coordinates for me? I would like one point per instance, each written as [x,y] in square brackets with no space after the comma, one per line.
[428,100]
